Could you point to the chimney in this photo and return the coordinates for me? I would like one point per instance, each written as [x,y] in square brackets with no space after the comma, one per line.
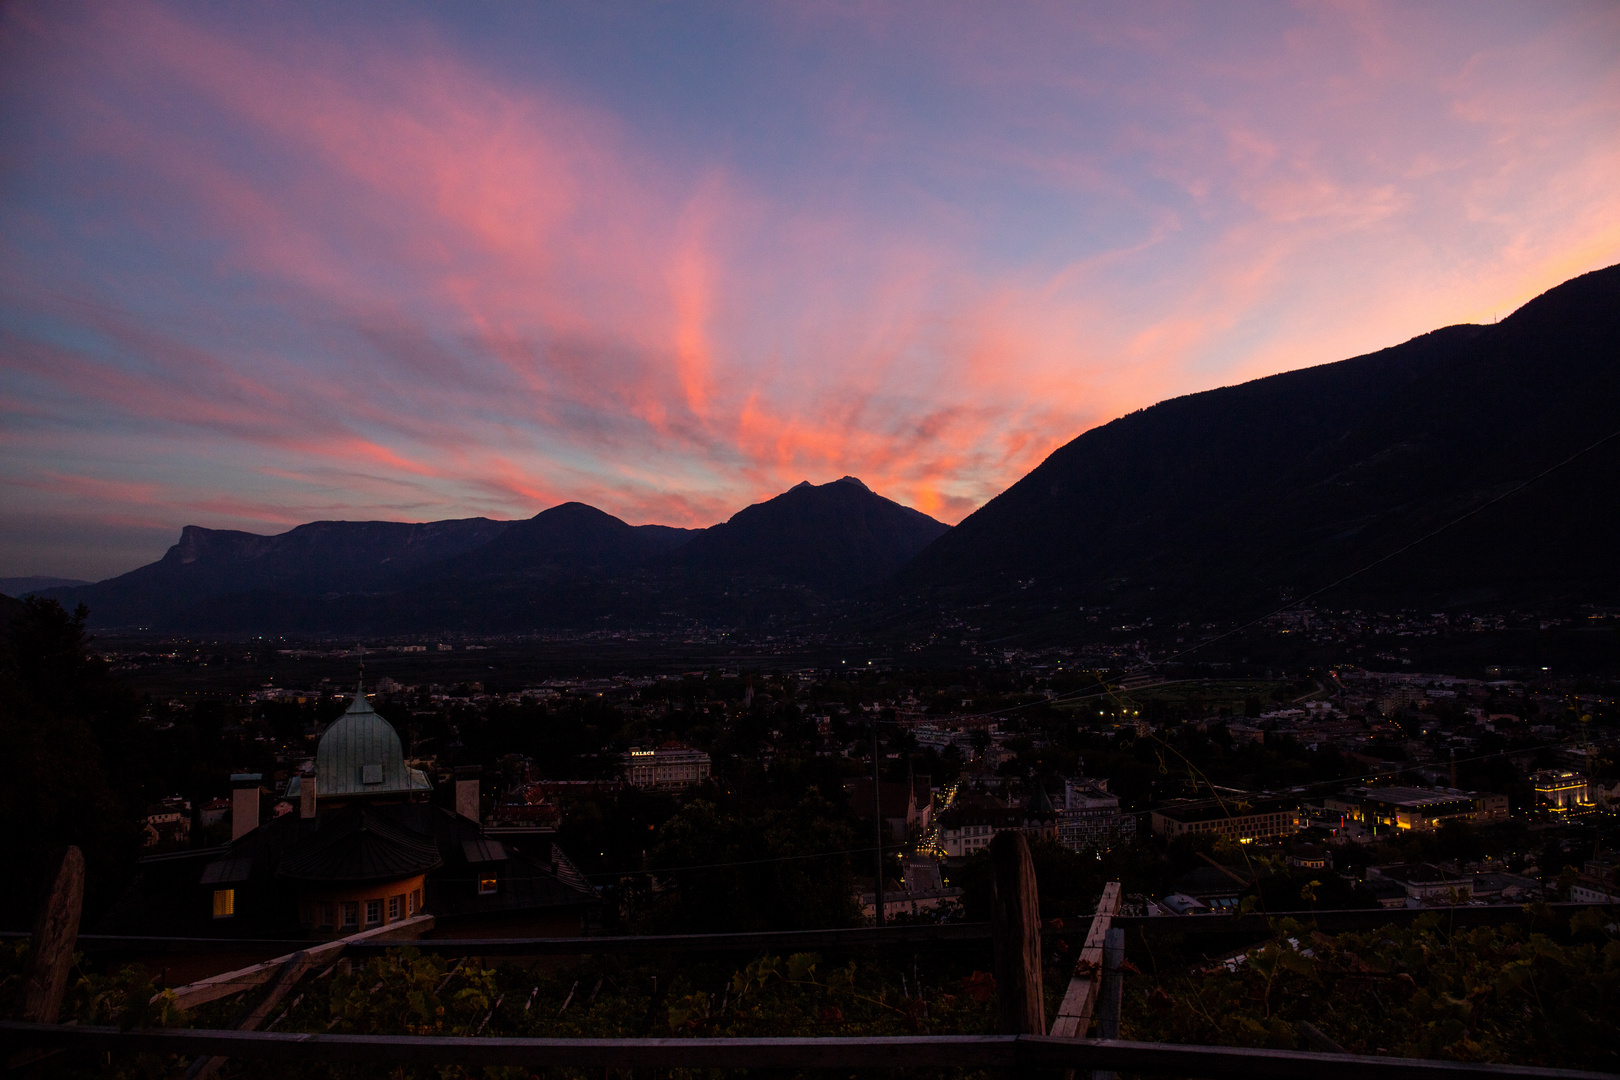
[244,803]
[467,791]
[306,796]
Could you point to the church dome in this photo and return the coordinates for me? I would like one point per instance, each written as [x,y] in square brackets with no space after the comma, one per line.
[361,755]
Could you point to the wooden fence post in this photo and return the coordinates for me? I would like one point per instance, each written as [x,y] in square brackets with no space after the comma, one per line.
[1110,994]
[1080,1001]
[1015,930]
[56,931]
[1113,984]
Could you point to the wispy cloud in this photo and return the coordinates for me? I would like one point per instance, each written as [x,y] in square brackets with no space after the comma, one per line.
[257,267]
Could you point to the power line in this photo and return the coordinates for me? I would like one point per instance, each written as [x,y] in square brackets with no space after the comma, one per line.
[727,865]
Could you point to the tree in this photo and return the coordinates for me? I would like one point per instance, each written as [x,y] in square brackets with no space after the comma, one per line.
[717,869]
[58,711]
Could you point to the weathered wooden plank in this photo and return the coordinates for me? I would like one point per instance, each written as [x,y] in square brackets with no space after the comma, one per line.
[773,940]
[1112,986]
[1247,1063]
[56,928]
[296,967]
[1237,928]
[1074,1015]
[1015,931]
[234,982]
[1022,1052]
[857,937]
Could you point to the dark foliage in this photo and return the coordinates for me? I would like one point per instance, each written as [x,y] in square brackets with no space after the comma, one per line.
[65,732]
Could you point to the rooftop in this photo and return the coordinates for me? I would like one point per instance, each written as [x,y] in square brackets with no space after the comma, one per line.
[361,755]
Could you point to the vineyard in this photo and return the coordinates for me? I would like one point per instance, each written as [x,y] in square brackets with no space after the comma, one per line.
[1509,994]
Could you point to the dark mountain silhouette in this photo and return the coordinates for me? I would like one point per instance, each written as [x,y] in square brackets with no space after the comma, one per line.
[1215,505]
[566,541]
[570,566]
[22,586]
[834,537]
[310,560]
[1223,503]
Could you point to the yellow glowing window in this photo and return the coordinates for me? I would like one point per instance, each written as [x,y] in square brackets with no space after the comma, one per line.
[486,885]
[224,903]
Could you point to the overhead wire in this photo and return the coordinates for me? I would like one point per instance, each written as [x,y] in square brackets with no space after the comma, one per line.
[728,865]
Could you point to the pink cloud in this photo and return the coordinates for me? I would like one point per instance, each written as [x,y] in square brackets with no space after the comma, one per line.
[428,286]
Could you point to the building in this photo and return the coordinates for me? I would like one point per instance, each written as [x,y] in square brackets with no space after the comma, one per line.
[907,808]
[972,820]
[1090,818]
[669,767]
[1599,883]
[1426,882]
[1418,808]
[1389,894]
[1562,792]
[363,847]
[1498,887]
[213,812]
[1310,857]
[1415,808]
[524,809]
[1490,807]
[923,890]
[1243,819]
[168,824]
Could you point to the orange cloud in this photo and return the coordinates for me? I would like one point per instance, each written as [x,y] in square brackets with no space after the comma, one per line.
[381,274]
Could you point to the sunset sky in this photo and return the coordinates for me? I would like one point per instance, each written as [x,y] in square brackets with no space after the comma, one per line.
[267,264]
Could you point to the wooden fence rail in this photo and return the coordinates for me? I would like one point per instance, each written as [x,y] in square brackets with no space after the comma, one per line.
[1017,952]
[767,940]
[1018,1052]
[1253,925]
[1074,1014]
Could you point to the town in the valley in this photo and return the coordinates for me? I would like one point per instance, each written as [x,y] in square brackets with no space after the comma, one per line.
[352,787]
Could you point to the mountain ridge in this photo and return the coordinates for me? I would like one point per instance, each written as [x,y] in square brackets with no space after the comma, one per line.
[1219,504]
[569,565]
[1230,500]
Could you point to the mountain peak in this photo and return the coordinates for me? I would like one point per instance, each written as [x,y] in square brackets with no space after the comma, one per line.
[837,535]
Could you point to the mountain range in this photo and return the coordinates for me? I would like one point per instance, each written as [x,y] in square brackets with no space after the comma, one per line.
[1496,447]
[1230,502]
[571,566]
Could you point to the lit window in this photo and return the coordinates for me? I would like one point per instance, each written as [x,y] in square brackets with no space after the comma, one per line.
[394,904]
[351,914]
[486,885]
[373,912]
[224,903]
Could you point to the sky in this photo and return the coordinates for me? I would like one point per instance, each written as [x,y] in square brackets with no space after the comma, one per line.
[268,264]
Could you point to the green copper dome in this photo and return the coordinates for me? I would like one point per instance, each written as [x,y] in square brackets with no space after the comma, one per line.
[361,755]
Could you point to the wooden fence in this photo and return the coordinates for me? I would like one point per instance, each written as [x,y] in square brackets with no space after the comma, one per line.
[1213,927]
[1014,933]
[1014,1052]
